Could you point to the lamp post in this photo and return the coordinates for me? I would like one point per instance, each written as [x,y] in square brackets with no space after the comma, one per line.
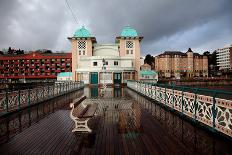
[103,76]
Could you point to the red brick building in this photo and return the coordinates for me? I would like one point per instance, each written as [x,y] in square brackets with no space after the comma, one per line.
[35,65]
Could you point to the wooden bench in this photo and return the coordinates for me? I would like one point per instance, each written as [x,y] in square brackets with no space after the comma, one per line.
[81,114]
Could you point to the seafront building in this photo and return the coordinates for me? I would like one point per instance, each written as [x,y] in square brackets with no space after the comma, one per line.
[64,76]
[113,63]
[224,58]
[34,66]
[177,64]
[148,75]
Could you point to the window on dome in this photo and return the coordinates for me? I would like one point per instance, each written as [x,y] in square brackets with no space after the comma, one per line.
[81,44]
[129,44]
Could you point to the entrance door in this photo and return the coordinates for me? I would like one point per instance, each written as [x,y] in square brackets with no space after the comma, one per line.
[117,78]
[94,78]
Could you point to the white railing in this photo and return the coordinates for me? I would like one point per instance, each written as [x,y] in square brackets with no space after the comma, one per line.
[15,100]
[213,110]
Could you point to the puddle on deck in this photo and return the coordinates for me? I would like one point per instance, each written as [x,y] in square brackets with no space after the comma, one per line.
[128,109]
[134,117]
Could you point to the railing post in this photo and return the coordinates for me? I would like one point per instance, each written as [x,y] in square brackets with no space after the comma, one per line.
[29,99]
[182,100]
[19,100]
[145,87]
[60,88]
[173,96]
[43,92]
[214,111]
[67,87]
[165,97]
[37,98]
[53,90]
[6,101]
[155,91]
[160,94]
[48,92]
[195,104]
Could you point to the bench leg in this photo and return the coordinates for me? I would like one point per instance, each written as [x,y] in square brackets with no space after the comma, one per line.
[81,126]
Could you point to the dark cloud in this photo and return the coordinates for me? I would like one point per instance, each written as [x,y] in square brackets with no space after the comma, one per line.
[165,25]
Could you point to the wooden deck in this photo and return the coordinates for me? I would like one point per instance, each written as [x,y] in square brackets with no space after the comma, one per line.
[52,134]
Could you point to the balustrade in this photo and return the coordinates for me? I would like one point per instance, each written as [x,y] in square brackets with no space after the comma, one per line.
[15,100]
[210,107]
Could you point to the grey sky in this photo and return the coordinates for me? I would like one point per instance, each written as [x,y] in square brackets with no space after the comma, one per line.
[165,24]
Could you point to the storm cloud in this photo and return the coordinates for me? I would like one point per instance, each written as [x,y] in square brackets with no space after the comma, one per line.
[165,24]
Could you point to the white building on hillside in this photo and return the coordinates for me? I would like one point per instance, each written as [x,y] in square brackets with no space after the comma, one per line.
[224,58]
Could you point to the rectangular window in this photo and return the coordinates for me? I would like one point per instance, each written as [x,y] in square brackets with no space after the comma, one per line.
[83,52]
[94,63]
[127,51]
[106,63]
[131,51]
[79,52]
[115,63]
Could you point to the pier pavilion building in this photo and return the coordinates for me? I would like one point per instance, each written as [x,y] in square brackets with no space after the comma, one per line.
[113,63]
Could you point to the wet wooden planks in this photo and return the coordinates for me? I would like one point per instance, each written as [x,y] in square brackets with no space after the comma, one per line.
[53,135]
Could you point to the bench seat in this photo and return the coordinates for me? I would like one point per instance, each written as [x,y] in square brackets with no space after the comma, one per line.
[81,113]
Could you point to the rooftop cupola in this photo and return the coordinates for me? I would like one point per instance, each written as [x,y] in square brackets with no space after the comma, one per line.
[128,32]
[82,33]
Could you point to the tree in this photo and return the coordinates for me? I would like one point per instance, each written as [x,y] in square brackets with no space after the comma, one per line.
[10,51]
[149,59]
[206,53]
[48,51]
[4,50]
[19,51]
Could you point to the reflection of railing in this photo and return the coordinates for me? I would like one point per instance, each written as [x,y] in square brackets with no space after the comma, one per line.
[201,105]
[196,139]
[15,100]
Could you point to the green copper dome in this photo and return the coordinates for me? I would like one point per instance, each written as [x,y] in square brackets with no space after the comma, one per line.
[82,33]
[129,32]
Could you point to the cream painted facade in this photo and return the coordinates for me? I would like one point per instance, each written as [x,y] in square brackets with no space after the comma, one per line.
[106,63]
[224,58]
[177,64]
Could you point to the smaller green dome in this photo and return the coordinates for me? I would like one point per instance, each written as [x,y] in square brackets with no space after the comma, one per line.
[82,33]
[129,32]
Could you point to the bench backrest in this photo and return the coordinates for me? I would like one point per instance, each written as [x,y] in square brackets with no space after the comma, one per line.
[79,109]
[78,101]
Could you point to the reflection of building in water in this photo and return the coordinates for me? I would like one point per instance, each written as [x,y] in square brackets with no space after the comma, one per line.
[94,92]
[121,59]
[118,92]
[130,119]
